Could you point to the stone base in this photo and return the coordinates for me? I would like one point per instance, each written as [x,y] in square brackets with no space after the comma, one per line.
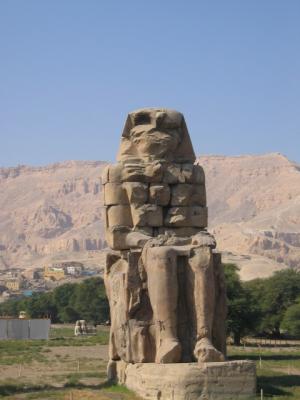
[187,381]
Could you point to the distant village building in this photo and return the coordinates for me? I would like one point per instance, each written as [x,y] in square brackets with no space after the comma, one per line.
[61,270]
[75,269]
[54,273]
[32,273]
[2,289]
[14,284]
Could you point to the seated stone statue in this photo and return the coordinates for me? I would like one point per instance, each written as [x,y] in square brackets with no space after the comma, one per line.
[163,278]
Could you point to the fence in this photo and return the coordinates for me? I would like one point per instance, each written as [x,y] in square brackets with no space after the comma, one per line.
[24,328]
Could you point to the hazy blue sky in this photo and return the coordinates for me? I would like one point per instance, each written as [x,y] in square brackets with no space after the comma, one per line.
[70,71]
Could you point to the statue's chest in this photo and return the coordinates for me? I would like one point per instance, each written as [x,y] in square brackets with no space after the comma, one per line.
[176,198]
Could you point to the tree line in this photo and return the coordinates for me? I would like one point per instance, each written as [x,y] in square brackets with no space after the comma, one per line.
[265,307]
[66,303]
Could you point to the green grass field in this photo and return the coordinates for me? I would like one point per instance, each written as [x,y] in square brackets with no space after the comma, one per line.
[74,368]
[63,367]
[278,370]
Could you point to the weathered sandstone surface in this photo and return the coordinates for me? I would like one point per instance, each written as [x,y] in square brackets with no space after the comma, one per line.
[216,381]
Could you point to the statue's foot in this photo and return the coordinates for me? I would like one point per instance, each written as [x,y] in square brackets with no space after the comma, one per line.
[206,352]
[169,352]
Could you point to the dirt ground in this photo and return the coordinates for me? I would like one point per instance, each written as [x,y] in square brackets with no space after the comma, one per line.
[59,361]
[62,368]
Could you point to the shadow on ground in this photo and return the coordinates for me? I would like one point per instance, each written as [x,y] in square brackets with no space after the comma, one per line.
[273,385]
[266,357]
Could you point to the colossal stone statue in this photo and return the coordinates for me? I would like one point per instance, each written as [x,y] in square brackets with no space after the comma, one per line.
[163,278]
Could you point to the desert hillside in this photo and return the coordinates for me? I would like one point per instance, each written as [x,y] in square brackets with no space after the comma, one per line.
[254,208]
[50,212]
[55,212]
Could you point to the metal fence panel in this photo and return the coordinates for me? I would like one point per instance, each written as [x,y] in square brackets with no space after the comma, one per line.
[18,329]
[14,328]
[3,329]
[39,328]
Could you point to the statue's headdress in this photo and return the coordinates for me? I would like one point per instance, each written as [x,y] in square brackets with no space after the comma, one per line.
[171,121]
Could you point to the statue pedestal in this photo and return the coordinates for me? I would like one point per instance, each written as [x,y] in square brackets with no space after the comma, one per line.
[188,381]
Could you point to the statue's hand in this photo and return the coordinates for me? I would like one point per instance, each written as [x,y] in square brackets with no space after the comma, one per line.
[204,238]
[152,242]
[168,240]
[157,241]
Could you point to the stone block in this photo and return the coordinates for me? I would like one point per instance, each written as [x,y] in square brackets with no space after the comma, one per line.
[186,216]
[146,230]
[132,172]
[154,172]
[198,175]
[172,174]
[137,192]
[115,194]
[119,216]
[184,173]
[182,194]
[116,237]
[159,194]
[140,172]
[186,194]
[187,172]
[177,216]
[198,197]
[147,215]
[231,380]
[115,173]
[198,216]
[192,173]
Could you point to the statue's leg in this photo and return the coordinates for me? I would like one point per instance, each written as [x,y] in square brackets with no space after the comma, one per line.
[202,296]
[163,292]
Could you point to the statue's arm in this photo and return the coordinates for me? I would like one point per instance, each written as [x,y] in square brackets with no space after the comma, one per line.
[136,239]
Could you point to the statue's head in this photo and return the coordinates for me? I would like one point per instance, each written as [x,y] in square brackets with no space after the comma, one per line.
[156,134]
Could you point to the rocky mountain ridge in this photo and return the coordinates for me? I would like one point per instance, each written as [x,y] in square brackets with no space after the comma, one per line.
[49,211]
[255,206]
[55,212]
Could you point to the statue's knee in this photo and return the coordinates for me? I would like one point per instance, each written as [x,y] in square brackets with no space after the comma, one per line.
[201,261]
[163,257]
[162,252]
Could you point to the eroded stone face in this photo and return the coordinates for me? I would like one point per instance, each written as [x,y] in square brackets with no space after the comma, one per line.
[164,281]
[155,133]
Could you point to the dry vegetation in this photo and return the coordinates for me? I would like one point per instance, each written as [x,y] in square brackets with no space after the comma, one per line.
[278,369]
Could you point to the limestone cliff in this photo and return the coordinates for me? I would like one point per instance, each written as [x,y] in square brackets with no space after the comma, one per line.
[50,211]
[254,207]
